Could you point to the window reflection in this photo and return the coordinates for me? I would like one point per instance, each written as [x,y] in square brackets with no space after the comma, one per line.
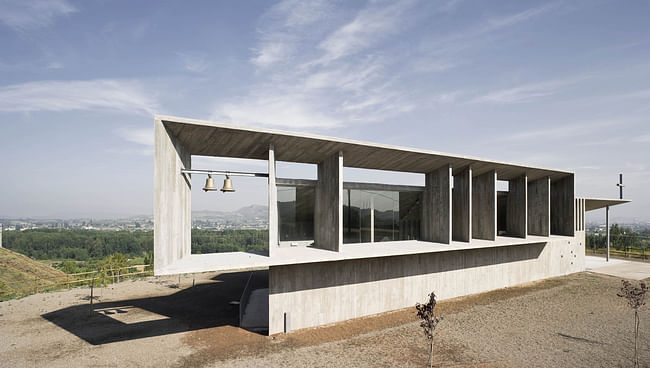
[377,216]
[296,213]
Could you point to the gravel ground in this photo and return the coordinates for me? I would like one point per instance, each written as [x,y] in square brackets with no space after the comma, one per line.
[572,321]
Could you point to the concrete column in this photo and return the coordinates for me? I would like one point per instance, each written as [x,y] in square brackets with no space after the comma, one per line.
[484,206]
[607,225]
[462,206]
[516,213]
[273,204]
[0,235]
[172,199]
[436,206]
[539,207]
[328,211]
[563,206]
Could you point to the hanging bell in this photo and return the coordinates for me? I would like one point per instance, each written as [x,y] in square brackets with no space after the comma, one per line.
[209,184]
[227,185]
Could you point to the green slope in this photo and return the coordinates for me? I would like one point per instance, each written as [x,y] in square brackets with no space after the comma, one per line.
[21,275]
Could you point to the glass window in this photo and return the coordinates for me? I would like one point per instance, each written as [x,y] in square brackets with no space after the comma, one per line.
[296,213]
[378,216]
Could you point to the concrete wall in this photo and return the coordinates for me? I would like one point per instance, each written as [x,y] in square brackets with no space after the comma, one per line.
[563,206]
[172,198]
[484,206]
[320,293]
[436,206]
[539,207]
[328,209]
[461,212]
[517,212]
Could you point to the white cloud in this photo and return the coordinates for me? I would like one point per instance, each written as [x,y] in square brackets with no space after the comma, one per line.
[280,110]
[369,26]
[496,23]
[298,89]
[193,63]
[106,94]
[442,53]
[135,135]
[24,15]
[570,130]
[54,65]
[284,26]
[526,92]
[271,53]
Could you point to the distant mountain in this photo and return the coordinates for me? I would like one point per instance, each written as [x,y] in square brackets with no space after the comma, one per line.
[252,212]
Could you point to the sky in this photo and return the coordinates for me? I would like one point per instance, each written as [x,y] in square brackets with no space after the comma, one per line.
[563,84]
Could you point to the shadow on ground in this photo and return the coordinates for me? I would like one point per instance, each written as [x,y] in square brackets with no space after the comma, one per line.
[199,307]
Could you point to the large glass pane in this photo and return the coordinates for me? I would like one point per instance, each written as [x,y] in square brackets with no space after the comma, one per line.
[410,215]
[296,213]
[386,209]
[391,215]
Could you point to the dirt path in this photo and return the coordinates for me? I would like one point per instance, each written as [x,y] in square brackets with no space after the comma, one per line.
[573,321]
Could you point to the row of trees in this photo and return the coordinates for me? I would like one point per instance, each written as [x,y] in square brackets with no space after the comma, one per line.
[620,238]
[86,245]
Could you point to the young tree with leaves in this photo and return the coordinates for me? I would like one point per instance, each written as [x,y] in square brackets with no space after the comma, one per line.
[635,299]
[429,322]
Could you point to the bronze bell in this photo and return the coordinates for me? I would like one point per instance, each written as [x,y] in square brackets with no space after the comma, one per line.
[227,185]
[209,184]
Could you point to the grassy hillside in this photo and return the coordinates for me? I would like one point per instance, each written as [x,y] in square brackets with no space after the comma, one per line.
[21,275]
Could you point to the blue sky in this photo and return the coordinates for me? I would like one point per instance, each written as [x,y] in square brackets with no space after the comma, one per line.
[562,84]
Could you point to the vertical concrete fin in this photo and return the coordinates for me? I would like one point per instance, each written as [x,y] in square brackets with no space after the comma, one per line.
[328,211]
[172,199]
[563,206]
[436,206]
[539,207]
[273,203]
[484,206]
[517,213]
[462,206]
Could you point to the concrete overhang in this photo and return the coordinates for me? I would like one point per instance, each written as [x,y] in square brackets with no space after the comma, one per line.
[597,203]
[231,261]
[205,138]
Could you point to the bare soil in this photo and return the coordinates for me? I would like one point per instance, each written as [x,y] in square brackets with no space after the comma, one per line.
[572,321]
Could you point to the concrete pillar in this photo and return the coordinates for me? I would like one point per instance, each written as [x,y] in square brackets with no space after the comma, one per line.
[273,204]
[0,235]
[563,206]
[607,225]
[539,207]
[436,206]
[516,213]
[172,199]
[328,211]
[484,206]
[462,206]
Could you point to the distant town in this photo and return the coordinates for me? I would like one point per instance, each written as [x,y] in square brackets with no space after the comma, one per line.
[250,217]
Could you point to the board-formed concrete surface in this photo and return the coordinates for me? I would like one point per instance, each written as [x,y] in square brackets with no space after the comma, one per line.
[315,294]
[618,267]
[300,255]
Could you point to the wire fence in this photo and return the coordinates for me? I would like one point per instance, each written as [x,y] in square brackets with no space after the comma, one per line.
[36,284]
[632,246]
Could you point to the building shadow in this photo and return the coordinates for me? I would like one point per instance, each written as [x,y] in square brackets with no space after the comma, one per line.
[205,305]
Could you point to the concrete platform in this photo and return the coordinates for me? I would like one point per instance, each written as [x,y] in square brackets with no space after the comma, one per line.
[618,267]
[300,255]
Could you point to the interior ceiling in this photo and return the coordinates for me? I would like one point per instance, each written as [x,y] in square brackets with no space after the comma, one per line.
[211,139]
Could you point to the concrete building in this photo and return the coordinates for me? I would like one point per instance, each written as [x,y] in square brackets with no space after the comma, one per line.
[349,249]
